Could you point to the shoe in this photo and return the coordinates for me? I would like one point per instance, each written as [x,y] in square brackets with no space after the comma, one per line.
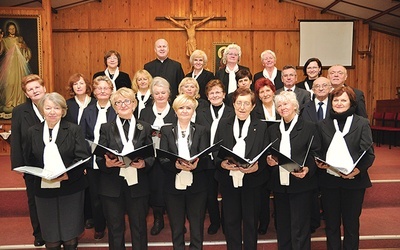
[98,235]
[262,231]
[89,224]
[158,226]
[38,242]
[213,229]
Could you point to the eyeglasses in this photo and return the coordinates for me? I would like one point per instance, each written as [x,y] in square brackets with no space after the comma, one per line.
[323,86]
[245,104]
[315,67]
[126,102]
[215,93]
[112,58]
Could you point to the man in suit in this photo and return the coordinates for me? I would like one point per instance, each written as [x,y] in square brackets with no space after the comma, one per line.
[289,79]
[23,117]
[337,74]
[312,111]
[165,67]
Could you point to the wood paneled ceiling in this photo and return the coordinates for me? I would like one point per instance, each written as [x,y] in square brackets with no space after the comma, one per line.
[380,15]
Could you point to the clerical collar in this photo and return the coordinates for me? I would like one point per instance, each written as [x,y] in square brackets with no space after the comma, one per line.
[162,60]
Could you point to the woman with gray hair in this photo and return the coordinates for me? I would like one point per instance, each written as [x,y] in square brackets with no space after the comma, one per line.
[158,114]
[230,59]
[51,145]
[268,61]
[292,137]
[198,60]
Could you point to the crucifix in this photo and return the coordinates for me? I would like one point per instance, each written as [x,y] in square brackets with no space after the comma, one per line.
[190,26]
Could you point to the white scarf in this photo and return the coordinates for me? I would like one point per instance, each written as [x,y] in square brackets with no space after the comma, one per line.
[142,103]
[232,85]
[101,118]
[116,74]
[214,124]
[159,122]
[129,173]
[338,154]
[272,77]
[267,115]
[184,178]
[52,160]
[307,86]
[37,112]
[196,76]
[286,149]
[239,148]
[82,106]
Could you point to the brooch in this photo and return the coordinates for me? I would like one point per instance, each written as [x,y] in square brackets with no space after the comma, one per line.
[139,126]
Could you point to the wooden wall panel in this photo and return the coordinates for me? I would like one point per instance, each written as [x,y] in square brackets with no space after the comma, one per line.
[130,27]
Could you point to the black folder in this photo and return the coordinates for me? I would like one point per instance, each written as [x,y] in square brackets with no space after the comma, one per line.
[142,152]
[288,163]
[227,154]
[46,174]
[173,157]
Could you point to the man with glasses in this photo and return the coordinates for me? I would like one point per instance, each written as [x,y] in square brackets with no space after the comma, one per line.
[337,74]
[289,79]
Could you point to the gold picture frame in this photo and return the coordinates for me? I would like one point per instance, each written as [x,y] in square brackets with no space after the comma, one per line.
[218,50]
[20,55]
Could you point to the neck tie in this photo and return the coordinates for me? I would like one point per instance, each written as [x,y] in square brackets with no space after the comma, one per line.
[320,112]
[289,90]
[126,128]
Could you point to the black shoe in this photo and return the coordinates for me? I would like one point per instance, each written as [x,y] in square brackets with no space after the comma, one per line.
[38,242]
[262,231]
[98,235]
[89,224]
[213,229]
[158,226]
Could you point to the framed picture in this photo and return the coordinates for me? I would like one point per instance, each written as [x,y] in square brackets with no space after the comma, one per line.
[20,55]
[218,51]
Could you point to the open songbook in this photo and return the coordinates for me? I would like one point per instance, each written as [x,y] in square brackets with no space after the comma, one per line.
[46,174]
[288,163]
[227,154]
[142,152]
[343,168]
[173,157]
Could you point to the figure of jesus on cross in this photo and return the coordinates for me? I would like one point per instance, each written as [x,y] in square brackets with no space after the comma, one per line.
[190,28]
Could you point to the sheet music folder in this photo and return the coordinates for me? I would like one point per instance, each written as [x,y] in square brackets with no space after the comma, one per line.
[227,154]
[173,157]
[288,163]
[46,174]
[343,169]
[142,152]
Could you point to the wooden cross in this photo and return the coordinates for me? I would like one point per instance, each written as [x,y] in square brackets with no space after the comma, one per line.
[190,26]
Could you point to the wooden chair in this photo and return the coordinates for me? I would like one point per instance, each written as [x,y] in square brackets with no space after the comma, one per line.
[390,127]
[377,127]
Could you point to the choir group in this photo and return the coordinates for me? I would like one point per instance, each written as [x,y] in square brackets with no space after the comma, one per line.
[319,123]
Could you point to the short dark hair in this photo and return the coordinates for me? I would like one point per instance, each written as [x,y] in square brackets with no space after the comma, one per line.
[313,59]
[242,92]
[109,53]
[242,74]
